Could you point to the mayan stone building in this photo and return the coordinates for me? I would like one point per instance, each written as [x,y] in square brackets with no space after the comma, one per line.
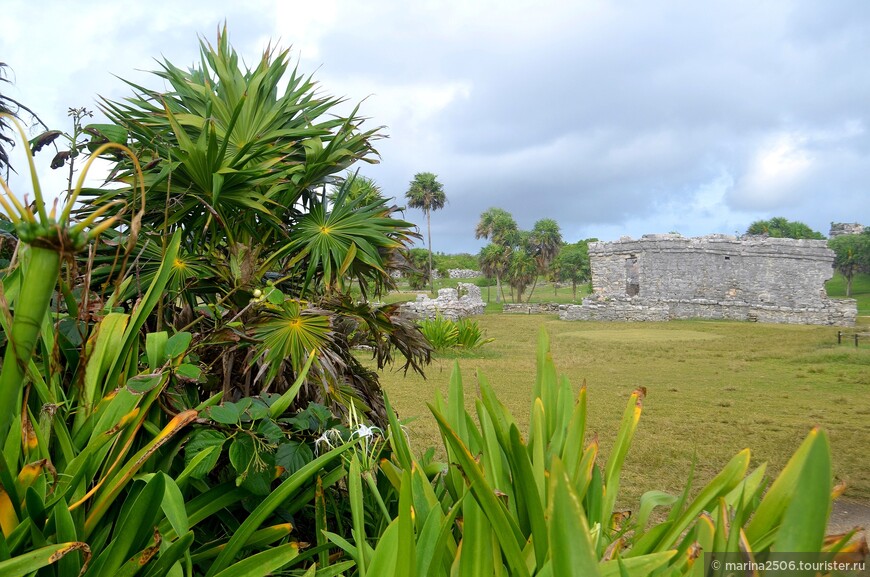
[667,276]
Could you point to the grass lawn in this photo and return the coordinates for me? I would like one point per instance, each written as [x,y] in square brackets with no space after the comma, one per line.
[836,287]
[713,388]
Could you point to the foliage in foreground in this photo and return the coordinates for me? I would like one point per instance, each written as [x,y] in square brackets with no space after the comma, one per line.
[90,433]
[541,504]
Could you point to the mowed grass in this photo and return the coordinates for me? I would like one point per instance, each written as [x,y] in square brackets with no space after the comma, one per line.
[713,388]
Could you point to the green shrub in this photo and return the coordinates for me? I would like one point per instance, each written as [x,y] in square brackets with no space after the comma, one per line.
[462,260]
[470,336]
[444,334]
[441,333]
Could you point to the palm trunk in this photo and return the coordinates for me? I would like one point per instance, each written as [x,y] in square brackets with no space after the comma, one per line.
[849,286]
[431,272]
[534,284]
[499,294]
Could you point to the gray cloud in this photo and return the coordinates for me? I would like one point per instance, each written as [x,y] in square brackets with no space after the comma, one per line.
[611,117]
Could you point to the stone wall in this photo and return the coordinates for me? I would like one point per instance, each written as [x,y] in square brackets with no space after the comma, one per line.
[463,273]
[661,277]
[533,308]
[449,303]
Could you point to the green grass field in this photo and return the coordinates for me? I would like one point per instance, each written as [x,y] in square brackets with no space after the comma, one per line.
[836,287]
[714,388]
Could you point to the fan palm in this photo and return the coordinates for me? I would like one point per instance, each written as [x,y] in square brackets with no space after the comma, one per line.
[499,226]
[427,194]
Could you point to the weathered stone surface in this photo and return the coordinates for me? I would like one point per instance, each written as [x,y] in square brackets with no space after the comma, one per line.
[463,273]
[667,276]
[448,304]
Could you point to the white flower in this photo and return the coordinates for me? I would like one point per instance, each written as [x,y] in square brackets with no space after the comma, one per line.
[365,431]
[328,438]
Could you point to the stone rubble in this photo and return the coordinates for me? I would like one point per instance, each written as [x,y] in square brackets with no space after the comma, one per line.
[448,304]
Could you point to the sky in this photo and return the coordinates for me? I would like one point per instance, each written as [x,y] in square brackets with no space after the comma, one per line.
[615,119]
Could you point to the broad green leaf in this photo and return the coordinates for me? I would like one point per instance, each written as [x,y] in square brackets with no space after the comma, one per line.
[263,563]
[571,551]
[805,519]
[177,344]
[27,563]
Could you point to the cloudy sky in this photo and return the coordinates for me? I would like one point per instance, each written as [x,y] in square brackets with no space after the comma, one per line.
[614,118]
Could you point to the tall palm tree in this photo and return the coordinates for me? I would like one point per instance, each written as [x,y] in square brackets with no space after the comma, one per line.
[544,243]
[427,194]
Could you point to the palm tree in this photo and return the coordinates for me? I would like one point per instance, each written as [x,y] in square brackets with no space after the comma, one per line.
[499,226]
[494,260]
[544,243]
[426,193]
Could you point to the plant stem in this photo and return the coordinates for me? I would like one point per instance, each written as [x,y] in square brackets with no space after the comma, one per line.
[33,301]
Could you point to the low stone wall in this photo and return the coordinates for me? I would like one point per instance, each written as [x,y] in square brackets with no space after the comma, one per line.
[448,304]
[533,308]
[838,312]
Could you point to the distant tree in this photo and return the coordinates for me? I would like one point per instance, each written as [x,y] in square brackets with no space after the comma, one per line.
[427,194]
[781,227]
[572,264]
[851,256]
[545,241]
[499,226]
[419,273]
[522,271]
[460,260]
[494,261]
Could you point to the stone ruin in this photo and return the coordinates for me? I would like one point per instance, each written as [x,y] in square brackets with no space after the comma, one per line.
[449,303]
[666,276]
[463,273]
[844,228]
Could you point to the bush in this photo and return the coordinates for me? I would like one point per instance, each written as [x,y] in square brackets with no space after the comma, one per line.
[444,334]
[470,336]
[461,260]
[440,332]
